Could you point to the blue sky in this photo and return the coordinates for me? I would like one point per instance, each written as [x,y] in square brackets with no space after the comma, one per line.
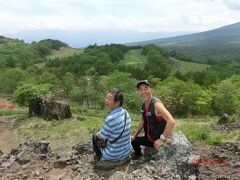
[141,15]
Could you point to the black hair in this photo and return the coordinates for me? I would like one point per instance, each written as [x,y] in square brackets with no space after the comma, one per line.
[118,96]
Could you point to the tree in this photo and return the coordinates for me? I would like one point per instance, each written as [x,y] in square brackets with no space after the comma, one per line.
[227,96]
[103,65]
[29,93]
[10,79]
[190,96]
[170,91]
[124,82]
[48,78]
[68,82]
[204,102]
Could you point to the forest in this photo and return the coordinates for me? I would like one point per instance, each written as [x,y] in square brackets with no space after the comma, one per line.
[27,72]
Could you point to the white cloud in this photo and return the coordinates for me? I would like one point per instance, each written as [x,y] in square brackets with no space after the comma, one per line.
[141,15]
[232,4]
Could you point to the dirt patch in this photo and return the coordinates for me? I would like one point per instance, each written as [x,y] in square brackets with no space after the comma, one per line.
[227,127]
[219,162]
[7,134]
[56,174]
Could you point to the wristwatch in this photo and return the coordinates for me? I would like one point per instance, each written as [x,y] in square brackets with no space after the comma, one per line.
[162,138]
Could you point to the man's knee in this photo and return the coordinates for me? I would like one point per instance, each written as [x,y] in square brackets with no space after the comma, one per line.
[134,142]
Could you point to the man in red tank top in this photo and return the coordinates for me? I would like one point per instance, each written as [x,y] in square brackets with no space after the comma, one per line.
[156,121]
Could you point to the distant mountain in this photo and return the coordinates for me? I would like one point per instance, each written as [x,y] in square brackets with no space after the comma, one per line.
[78,39]
[215,45]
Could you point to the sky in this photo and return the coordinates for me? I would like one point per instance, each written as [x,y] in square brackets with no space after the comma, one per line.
[140,15]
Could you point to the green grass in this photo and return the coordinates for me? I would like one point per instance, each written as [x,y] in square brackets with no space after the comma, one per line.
[39,129]
[86,121]
[134,58]
[194,131]
[185,67]
[198,130]
[64,52]
[16,111]
[86,111]
[77,129]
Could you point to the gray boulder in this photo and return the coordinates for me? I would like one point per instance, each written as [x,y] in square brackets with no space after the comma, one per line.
[223,119]
[50,109]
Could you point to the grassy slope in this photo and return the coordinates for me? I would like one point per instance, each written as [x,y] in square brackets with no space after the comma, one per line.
[64,52]
[217,44]
[134,58]
[85,121]
[185,67]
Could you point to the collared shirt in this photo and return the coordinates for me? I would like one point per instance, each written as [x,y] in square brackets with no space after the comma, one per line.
[110,130]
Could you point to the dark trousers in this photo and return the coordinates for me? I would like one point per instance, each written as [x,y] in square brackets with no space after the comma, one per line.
[136,144]
[96,147]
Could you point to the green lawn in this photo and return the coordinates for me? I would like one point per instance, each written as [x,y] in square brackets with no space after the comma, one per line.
[185,67]
[134,58]
[65,52]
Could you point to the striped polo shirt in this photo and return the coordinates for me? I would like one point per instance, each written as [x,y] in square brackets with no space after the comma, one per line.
[110,130]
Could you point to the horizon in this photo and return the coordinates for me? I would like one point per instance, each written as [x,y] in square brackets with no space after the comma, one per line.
[68,37]
[109,21]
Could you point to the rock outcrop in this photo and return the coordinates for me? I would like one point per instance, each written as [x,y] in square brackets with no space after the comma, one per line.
[174,160]
[50,109]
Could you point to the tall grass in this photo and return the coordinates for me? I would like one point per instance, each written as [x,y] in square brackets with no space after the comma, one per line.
[194,131]
[199,131]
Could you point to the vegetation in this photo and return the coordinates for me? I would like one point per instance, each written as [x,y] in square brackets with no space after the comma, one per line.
[28,71]
[209,47]
[185,67]
[198,130]
[85,121]
[64,52]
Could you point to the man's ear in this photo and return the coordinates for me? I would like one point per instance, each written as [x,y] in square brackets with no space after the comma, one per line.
[117,103]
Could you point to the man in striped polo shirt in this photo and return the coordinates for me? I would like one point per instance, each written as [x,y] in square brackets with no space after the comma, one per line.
[116,129]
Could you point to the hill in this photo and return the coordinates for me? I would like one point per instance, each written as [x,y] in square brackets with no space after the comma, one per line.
[137,59]
[17,53]
[221,44]
[84,38]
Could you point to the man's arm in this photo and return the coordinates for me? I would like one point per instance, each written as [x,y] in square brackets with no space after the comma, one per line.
[139,129]
[105,131]
[161,110]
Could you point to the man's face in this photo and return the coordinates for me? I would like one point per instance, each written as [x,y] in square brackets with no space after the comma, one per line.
[145,92]
[109,101]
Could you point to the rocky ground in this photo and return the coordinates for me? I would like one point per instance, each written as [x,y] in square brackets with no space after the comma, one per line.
[7,137]
[219,162]
[177,159]
[35,160]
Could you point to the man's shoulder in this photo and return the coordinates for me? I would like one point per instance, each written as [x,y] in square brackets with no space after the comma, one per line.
[114,115]
[156,100]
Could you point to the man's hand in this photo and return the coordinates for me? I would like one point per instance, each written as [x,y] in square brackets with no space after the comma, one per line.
[158,143]
[133,138]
